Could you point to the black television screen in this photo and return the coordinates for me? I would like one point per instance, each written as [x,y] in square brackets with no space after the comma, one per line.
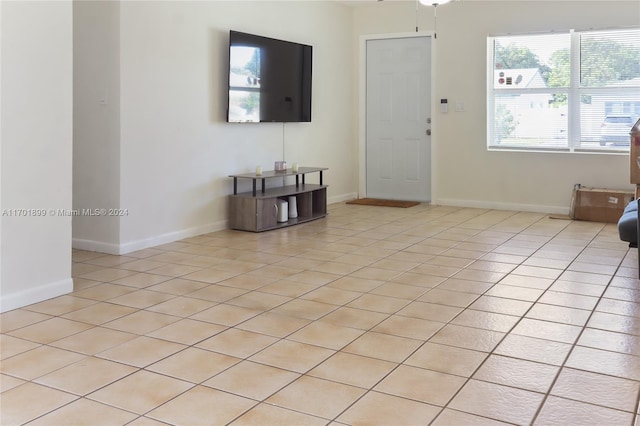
[269,80]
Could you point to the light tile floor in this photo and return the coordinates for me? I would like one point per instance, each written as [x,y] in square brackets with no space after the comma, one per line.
[373,315]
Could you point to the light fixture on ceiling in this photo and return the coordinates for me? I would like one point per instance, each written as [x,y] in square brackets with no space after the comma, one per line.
[433,2]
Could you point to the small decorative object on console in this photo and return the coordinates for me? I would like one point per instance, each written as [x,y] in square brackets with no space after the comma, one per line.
[280,166]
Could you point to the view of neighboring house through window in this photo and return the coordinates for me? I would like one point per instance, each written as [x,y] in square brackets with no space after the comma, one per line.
[573,91]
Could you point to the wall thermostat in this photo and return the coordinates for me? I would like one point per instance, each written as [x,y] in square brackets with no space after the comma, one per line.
[444,105]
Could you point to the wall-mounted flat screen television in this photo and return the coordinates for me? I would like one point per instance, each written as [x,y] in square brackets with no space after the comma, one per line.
[269,80]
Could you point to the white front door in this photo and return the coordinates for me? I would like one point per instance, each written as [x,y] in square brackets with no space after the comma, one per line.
[398,116]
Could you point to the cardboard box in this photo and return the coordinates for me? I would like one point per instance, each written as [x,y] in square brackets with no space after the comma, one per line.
[599,205]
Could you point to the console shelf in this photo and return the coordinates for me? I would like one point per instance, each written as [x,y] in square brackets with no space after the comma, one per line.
[256,210]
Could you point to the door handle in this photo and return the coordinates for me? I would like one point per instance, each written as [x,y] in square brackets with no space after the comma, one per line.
[428,132]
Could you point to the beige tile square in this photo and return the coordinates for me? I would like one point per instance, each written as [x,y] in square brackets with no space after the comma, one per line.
[422,280]
[486,265]
[547,330]
[450,417]
[351,283]
[141,322]
[354,370]
[81,410]
[85,376]
[486,320]
[287,288]
[38,362]
[585,277]
[141,265]
[259,300]
[193,365]
[605,362]
[107,274]
[316,278]
[518,373]
[273,324]
[333,296]
[613,322]
[533,349]
[173,270]
[537,271]
[354,318]
[383,346]
[187,331]
[560,314]
[94,340]
[39,400]
[501,306]
[224,314]
[497,402]
[598,389]
[238,343]
[141,351]
[60,305]
[513,292]
[557,411]
[446,359]
[468,337]
[379,274]
[527,282]
[611,341]
[583,289]
[103,292]
[252,380]
[619,307]
[265,414]
[10,346]
[182,306]
[140,392]
[379,408]
[141,299]
[8,382]
[210,276]
[336,397]
[335,267]
[49,330]
[377,303]
[178,286]
[436,270]
[326,335]
[570,300]
[292,356]
[99,313]
[217,293]
[400,291]
[306,309]
[413,328]
[409,382]
[449,298]
[19,318]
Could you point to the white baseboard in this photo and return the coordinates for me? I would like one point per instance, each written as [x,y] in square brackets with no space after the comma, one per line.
[495,205]
[37,294]
[342,198]
[132,246]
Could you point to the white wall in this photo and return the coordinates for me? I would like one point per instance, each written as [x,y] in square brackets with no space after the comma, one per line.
[96,123]
[175,149]
[36,116]
[465,173]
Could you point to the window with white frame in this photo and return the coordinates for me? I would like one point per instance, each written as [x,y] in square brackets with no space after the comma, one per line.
[573,91]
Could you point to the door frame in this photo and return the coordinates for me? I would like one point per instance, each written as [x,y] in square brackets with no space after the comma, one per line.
[362,106]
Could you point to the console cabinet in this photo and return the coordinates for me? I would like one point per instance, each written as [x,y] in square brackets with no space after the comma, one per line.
[257,209]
